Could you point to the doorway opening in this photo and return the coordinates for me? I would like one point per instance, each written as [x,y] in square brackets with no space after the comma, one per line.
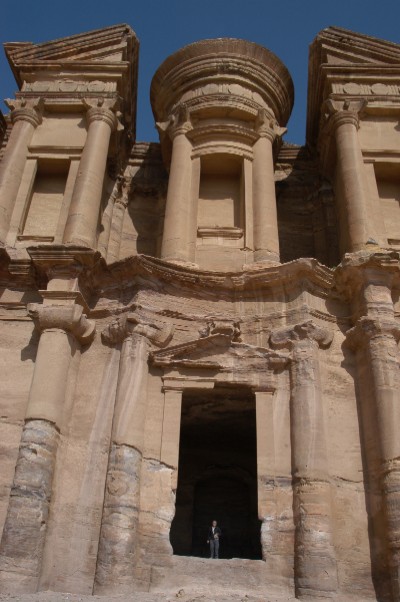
[217,474]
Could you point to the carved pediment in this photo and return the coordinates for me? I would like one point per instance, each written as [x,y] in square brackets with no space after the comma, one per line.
[217,351]
[111,44]
[339,46]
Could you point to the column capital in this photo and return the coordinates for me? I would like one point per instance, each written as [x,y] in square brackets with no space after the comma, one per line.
[367,329]
[267,126]
[69,318]
[30,110]
[289,336]
[341,112]
[103,110]
[131,324]
[179,122]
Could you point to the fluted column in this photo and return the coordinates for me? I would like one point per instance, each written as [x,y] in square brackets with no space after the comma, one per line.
[315,562]
[344,120]
[24,531]
[266,237]
[375,340]
[81,226]
[177,223]
[118,536]
[26,115]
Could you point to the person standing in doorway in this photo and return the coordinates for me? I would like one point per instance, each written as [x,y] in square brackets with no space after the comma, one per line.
[214,533]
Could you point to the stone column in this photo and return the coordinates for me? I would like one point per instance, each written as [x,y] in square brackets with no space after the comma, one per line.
[315,562]
[26,115]
[117,222]
[118,536]
[266,238]
[81,226]
[106,219]
[24,531]
[177,223]
[375,340]
[344,121]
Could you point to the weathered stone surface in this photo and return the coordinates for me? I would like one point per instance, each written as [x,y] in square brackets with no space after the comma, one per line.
[201,329]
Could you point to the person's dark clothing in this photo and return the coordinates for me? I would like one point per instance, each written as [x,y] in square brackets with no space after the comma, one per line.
[213,538]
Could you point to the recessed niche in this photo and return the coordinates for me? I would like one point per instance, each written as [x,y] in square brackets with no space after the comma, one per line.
[45,200]
[220,204]
[388,182]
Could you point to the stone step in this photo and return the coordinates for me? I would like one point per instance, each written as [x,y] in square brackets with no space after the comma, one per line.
[236,573]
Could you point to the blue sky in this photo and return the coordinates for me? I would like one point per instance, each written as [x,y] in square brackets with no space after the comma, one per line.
[286,27]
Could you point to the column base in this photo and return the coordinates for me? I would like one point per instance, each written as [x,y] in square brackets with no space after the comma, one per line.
[265,255]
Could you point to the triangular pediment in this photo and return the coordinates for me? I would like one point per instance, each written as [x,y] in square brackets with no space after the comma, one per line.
[218,352]
[338,46]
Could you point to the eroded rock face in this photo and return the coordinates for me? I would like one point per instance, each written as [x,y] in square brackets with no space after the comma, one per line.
[205,328]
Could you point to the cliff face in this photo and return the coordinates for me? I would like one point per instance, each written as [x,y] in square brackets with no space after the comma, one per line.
[201,329]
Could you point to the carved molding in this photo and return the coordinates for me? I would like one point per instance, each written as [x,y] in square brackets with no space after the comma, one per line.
[64,317]
[69,86]
[361,89]
[219,231]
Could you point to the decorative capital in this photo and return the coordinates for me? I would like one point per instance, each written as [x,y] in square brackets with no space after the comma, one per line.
[341,112]
[63,317]
[228,328]
[125,326]
[103,110]
[290,335]
[267,126]
[368,329]
[180,122]
[23,109]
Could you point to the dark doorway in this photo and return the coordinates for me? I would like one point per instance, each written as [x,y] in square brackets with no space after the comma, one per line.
[217,474]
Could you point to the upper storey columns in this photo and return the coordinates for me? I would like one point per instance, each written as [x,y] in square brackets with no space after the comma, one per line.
[26,115]
[265,233]
[176,239]
[226,100]
[344,120]
[81,226]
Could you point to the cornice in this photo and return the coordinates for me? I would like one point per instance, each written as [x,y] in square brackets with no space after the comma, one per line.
[318,277]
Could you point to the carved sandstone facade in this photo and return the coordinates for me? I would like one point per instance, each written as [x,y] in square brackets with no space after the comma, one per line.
[202,328]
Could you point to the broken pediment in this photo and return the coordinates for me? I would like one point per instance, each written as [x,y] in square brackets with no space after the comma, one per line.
[109,45]
[345,64]
[338,46]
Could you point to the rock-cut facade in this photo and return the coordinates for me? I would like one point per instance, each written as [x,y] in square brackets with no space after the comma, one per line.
[203,328]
